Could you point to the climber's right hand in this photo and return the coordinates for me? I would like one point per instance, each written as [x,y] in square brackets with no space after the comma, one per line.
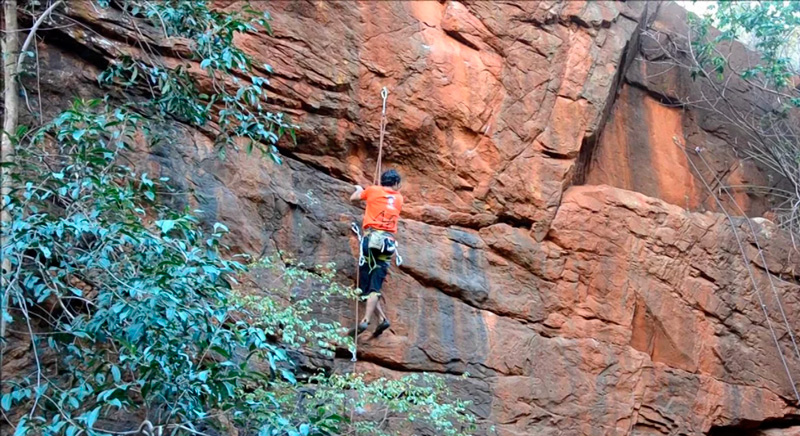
[357,194]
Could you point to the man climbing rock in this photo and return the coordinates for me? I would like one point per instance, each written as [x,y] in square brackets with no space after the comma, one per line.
[378,245]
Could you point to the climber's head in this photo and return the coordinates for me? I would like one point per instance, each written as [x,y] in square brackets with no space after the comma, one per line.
[390,179]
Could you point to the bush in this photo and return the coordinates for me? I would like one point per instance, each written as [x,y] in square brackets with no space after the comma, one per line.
[134,309]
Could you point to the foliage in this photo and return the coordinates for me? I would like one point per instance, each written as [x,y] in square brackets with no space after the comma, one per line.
[770,26]
[414,398]
[145,314]
[236,106]
[134,309]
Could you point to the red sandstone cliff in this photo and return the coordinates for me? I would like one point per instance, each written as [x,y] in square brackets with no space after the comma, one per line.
[577,310]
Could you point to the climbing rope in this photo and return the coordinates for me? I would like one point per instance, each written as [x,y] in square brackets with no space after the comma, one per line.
[384,95]
[758,246]
[747,265]
[354,227]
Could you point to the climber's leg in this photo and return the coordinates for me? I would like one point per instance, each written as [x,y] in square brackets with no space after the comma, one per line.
[378,280]
[379,308]
[375,283]
[384,324]
[364,283]
[372,302]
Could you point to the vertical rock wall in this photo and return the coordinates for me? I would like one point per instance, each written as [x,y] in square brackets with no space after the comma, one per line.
[660,101]
[577,310]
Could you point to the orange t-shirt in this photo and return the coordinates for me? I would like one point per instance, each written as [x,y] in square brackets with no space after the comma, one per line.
[383,208]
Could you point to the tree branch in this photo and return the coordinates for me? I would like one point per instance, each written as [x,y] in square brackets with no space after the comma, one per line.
[32,33]
[11,102]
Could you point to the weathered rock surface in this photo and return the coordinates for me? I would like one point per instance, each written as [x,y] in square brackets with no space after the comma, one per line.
[577,310]
[490,101]
[659,102]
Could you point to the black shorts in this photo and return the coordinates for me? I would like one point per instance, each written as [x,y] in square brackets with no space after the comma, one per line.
[373,272]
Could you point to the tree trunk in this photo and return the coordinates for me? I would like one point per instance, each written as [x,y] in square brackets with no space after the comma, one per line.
[10,115]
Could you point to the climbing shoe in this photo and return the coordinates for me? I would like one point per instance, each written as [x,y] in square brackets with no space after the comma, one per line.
[381,328]
[361,327]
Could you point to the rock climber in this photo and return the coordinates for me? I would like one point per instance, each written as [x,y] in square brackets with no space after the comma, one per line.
[378,245]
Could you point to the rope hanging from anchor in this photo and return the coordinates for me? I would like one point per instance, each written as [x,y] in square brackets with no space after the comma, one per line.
[354,226]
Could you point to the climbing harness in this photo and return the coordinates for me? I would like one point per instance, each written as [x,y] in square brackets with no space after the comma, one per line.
[747,261]
[385,244]
[381,244]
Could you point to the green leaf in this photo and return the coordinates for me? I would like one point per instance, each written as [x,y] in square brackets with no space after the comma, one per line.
[165,225]
[5,403]
[78,134]
[288,376]
[91,419]
[22,427]
[116,374]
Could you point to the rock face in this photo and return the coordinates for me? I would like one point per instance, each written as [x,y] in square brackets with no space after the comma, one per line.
[489,104]
[652,111]
[577,310]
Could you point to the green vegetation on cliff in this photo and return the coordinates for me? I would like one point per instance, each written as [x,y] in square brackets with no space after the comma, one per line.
[139,319]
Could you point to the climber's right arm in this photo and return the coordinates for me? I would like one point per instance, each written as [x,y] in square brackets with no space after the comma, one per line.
[357,195]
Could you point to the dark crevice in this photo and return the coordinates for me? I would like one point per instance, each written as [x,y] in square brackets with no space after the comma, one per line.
[324,111]
[747,427]
[555,155]
[522,223]
[590,142]
[345,354]
[585,155]
[67,44]
[702,274]
[583,23]
[332,172]
[397,366]
[460,38]
[119,29]
[664,99]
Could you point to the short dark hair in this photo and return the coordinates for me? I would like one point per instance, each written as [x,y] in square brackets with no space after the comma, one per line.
[390,178]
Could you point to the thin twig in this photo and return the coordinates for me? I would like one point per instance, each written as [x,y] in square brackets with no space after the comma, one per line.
[760,254]
[35,355]
[39,84]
